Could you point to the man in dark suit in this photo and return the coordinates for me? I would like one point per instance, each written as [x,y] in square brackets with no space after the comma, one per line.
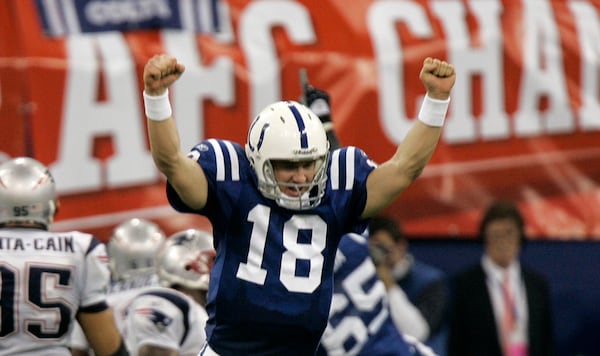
[499,307]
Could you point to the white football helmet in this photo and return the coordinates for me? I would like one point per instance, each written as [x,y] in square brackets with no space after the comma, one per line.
[27,192]
[187,259]
[288,131]
[133,247]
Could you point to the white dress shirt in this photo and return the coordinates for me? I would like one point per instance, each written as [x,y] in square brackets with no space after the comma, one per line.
[495,276]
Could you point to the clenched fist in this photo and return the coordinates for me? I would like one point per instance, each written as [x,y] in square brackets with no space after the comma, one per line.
[438,77]
[160,72]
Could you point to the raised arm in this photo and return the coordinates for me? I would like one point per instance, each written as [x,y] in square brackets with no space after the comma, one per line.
[388,180]
[184,174]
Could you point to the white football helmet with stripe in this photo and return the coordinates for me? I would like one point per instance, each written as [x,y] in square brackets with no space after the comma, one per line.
[187,259]
[288,131]
[27,192]
[133,247]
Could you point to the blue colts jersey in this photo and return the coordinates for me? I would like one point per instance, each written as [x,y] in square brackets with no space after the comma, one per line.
[360,322]
[272,281]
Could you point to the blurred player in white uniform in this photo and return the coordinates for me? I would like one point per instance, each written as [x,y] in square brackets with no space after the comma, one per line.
[47,279]
[170,320]
[132,251]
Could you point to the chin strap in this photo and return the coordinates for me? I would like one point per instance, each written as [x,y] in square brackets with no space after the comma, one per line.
[298,203]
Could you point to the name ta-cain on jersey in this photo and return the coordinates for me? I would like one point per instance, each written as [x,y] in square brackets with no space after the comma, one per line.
[46,277]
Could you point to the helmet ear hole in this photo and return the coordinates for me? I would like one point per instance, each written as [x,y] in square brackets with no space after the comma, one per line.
[56,207]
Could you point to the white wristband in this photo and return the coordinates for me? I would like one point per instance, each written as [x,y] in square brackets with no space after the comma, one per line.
[158,108]
[433,111]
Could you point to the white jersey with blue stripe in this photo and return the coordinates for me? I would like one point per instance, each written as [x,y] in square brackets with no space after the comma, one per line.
[359,320]
[163,317]
[148,314]
[271,284]
[119,294]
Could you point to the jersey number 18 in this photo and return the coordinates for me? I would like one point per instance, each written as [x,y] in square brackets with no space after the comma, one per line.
[252,270]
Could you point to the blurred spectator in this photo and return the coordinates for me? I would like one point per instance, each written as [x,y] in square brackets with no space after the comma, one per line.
[418,293]
[500,307]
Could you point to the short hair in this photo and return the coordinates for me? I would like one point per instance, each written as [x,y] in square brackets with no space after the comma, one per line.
[502,209]
[387,224]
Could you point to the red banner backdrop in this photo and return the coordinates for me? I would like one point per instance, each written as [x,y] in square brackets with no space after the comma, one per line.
[524,122]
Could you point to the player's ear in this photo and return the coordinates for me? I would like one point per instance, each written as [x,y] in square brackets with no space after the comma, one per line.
[56,206]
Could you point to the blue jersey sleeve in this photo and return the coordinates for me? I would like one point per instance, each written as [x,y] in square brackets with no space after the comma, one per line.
[348,171]
[225,165]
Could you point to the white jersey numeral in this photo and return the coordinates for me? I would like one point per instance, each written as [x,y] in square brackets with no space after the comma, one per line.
[252,270]
[354,327]
[45,292]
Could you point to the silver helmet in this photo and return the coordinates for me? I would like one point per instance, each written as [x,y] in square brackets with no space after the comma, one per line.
[187,259]
[133,247]
[27,192]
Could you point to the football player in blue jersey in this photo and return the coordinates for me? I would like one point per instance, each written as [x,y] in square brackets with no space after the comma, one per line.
[279,207]
[360,320]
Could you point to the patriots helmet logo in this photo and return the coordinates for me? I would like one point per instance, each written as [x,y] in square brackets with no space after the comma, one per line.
[159,319]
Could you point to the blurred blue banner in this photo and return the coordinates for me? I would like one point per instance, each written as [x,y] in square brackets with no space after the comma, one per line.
[70,17]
